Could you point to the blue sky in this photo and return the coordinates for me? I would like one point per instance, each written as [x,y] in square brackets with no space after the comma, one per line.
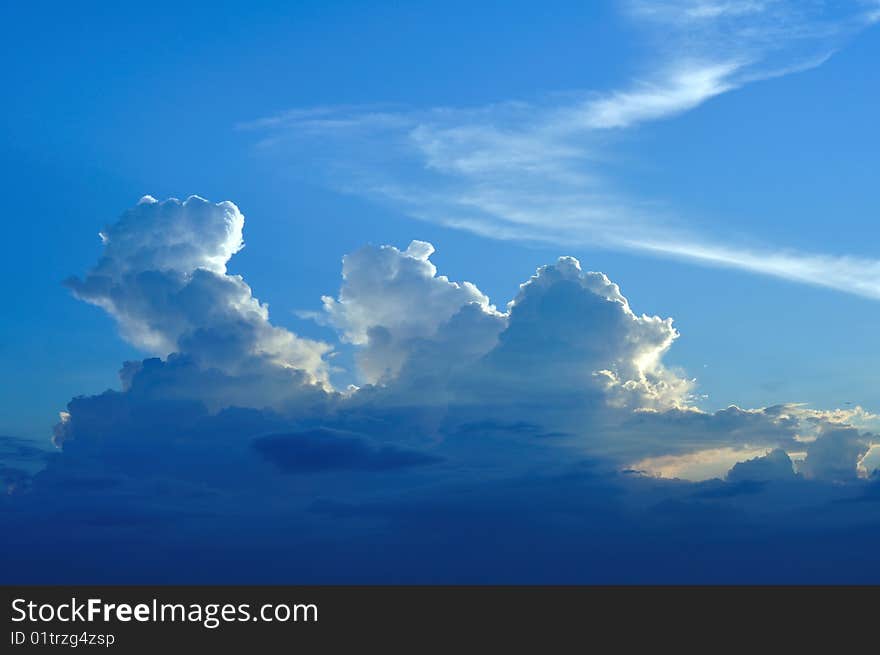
[109,107]
[716,160]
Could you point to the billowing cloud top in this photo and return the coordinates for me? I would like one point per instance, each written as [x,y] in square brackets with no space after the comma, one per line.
[163,278]
[172,236]
[574,329]
[567,330]
[391,299]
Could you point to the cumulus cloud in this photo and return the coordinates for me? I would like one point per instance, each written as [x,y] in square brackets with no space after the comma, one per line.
[541,436]
[775,465]
[836,453]
[567,332]
[162,276]
[570,329]
[569,355]
[391,300]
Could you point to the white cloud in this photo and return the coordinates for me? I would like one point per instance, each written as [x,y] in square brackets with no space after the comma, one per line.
[568,357]
[836,454]
[171,236]
[855,275]
[163,277]
[390,300]
[676,91]
[685,11]
[573,330]
[535,170]
[566,330]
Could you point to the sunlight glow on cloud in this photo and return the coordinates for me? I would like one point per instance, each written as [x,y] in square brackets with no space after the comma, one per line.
[700,465]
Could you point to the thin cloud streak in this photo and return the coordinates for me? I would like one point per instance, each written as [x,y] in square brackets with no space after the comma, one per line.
[677,92]
[855,275]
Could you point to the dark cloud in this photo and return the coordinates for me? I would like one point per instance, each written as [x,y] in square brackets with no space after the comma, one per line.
[20,459]
[326,450]
[14,448]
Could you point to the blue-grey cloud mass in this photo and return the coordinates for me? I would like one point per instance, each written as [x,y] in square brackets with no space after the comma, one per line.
[539,440]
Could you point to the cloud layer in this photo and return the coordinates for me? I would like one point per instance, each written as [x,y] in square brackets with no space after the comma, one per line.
[568,355]
[533,444]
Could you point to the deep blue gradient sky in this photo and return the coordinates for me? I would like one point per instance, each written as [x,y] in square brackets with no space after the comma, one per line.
[716,160]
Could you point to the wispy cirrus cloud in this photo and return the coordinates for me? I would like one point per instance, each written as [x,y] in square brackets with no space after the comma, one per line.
[537,171]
